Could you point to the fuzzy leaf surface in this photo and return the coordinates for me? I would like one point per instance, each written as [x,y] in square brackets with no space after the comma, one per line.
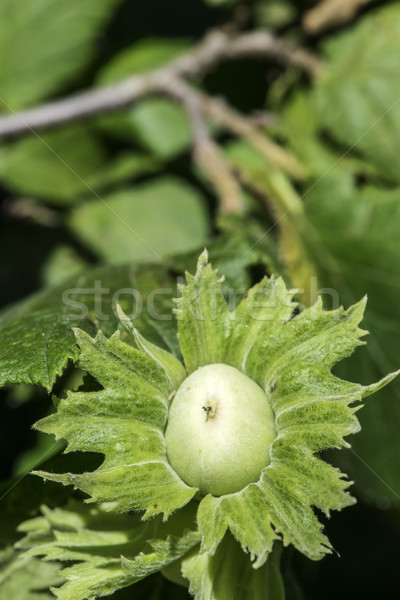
[26,578]
[203,317]
[228,574]
[291,359]
[39,329]
[124,421]
[36,338]
[109,551]
[360,228]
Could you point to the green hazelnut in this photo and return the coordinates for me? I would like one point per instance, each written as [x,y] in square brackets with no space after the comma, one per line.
[220,430]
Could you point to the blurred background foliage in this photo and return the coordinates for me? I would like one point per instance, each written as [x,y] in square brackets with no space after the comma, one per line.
[118,198]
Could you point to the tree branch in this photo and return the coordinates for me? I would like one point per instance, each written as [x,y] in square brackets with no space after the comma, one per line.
[216,47]
[237,124]
[329,13]
[205,151]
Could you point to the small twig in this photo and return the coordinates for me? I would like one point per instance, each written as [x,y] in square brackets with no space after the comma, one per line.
[205,151]
[216,47]
[263,44]
[236,123]
[329,13]
[263,119]
[210,158]
[27,209]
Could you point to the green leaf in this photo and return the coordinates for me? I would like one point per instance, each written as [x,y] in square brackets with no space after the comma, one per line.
[268,304]
[245,516]
[125,166]
[360,228]
[233,250]
[141,57]
[275,13]
[64,262]
[358,94]
[164,552]
[158,124]
[286,210]
[161,127]
[125,422]
[203,317]
[291,359]
[26,578]
[173,368]
[39,330]
[109,551]
[181,222]
[300,125]
[228,574]
[46,45]
[65,164]
[53,166]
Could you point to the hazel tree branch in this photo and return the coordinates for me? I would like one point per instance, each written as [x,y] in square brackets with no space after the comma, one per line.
[236,123]
[216,47]
[329,13]
[206,151]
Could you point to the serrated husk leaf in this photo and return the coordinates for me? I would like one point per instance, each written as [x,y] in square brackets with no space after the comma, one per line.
[109,551]
[174,369]
[264,308]
[228,574]
[125,422]
[290,357]
[203,318]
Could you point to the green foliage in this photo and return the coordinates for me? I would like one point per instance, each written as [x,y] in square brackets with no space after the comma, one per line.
[124,188]
[161,126]
[226,575]
[110,552]
[351,223]
[61,166]
[286,207]
[39,52]
[145,55]
[355,227]
[25,579]
[358,95]
[158,124]
[162,217]
[126,424]
[290,358]
[203,318]
[36,166]
[39,330]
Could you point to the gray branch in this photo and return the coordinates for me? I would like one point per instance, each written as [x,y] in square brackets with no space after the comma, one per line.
[216,47]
